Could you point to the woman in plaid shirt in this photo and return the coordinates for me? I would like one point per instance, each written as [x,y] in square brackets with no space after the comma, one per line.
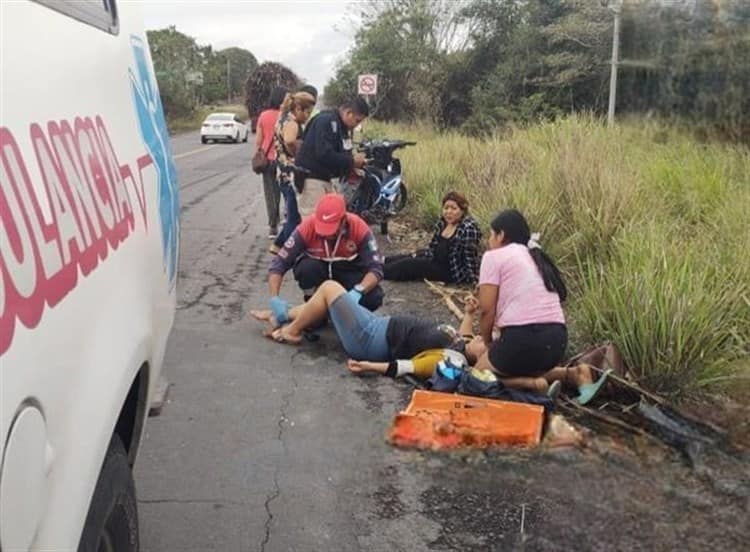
[453,253]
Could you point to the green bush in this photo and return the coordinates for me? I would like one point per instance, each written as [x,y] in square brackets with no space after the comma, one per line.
[649,228]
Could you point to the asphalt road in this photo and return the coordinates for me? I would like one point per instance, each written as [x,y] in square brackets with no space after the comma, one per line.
[266,447]
[261,446]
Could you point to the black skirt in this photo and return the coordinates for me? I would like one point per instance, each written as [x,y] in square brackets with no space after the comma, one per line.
[530,350]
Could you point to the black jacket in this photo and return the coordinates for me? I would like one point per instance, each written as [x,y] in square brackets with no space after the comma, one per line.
[326,149]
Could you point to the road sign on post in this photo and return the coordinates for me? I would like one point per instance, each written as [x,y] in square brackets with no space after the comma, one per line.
[367,85]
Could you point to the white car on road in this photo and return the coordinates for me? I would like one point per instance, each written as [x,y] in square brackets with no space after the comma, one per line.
[223,126]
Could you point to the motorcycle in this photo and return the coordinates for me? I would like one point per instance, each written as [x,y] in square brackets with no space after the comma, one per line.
[376,192]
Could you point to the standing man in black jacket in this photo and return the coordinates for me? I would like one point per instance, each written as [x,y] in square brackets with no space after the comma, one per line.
[326,151]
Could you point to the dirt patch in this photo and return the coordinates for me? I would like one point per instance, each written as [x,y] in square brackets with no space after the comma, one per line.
[730,411]
[622,491]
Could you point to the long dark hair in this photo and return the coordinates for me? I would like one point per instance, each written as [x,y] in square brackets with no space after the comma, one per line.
[276,97]
[516,230]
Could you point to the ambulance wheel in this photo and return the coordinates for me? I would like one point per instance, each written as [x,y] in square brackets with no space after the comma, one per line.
[112,521]
[203,140]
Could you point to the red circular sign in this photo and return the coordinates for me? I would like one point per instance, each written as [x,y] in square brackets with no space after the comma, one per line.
[367,84]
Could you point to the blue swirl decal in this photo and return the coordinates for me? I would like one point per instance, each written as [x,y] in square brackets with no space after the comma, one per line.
[155,136]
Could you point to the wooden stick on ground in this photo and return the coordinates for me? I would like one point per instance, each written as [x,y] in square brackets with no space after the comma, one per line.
[663,402]
[446,297]
[571,405]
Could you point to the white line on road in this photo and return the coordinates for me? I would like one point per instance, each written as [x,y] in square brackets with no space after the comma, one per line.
[204,148]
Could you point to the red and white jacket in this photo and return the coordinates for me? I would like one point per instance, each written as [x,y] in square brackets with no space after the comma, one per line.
[355,243]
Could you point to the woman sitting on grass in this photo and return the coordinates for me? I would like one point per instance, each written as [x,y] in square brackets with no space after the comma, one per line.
[521,292]
[453,252]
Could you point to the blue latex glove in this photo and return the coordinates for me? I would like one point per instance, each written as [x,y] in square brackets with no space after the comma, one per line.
[355,294]
[280,309]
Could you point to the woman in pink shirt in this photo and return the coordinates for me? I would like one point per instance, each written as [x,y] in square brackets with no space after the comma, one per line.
[521,293]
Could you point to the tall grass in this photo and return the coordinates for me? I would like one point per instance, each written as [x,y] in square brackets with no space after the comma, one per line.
[649,227]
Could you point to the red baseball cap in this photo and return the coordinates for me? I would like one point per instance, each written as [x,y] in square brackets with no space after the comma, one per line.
[329,211]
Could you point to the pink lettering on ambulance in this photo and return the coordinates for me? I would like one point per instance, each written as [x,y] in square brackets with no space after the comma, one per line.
[100,176]
[118,185]
[142,162]
[70,240]
[112,170]
[63,147]
[85,208]
[88,158]
[19,260]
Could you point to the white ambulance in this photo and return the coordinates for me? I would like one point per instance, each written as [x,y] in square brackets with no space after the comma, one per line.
[88,255]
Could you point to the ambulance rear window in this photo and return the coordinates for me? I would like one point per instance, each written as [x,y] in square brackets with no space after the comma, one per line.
[101,14]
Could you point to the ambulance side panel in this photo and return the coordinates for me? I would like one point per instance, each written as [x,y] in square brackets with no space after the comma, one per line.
[88,254]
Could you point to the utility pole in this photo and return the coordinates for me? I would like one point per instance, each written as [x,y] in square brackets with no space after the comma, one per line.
[616,7]
[229,81]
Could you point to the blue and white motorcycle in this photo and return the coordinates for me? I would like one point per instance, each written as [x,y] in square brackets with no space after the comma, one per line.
[378,191]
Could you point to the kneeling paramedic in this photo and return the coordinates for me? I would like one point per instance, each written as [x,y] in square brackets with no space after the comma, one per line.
[330,244]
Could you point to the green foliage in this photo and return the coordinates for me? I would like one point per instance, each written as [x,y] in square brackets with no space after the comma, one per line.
[190,75]
[236,64]
[406,42]
[517,62]
[694,64]
[648,227]
[175,55]
[261,82]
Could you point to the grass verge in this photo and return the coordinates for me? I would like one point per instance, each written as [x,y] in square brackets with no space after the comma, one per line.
[649,227]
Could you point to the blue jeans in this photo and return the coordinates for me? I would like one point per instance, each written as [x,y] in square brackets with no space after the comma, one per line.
[361,332]
[293,217]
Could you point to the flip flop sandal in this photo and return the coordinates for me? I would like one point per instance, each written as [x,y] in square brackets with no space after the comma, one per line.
[588,391]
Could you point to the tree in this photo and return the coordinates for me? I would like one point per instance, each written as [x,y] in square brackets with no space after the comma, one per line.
[484,63]
[261,82]
[231,64]
[690,62]
[406,42]
[175,56]
[190,75]
[241,64]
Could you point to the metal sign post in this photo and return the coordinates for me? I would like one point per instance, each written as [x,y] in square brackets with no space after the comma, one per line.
[616,7]
[367,86]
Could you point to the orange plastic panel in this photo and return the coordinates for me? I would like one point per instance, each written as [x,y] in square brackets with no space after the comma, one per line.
[444,420]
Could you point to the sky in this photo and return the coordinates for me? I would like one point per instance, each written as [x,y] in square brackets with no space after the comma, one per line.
[308,36]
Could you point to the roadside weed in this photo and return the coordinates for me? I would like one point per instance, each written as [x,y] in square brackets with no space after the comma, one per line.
[649,227]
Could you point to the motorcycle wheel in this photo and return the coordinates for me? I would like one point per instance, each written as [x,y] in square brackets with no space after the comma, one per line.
[400,200]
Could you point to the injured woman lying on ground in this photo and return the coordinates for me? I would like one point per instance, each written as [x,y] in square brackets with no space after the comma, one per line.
[399,344]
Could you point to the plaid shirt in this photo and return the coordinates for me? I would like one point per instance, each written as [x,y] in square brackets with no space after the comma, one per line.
[463,258]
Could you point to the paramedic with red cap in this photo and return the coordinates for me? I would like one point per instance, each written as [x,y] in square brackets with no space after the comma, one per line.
[330,244]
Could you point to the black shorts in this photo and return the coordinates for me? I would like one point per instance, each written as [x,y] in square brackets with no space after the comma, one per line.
[529,350]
